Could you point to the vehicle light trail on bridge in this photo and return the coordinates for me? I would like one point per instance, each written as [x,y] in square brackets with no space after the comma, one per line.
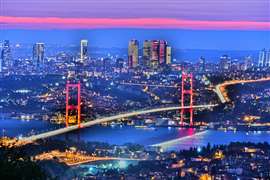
[108,119]
[220,89]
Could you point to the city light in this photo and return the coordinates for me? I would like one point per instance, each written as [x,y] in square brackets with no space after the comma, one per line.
[134,89]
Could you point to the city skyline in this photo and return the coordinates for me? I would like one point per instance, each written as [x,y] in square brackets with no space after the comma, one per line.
[230,25]
[135,89]
[180,39]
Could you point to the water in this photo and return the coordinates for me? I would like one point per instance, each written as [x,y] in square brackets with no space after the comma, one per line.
[127,134]
[215,137]
[182,138]
[14,128]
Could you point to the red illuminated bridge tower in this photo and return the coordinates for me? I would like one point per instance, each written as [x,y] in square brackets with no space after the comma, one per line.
[187,92]
[73,108]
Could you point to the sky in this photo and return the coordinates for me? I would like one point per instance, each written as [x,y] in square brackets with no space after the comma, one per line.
[235,22]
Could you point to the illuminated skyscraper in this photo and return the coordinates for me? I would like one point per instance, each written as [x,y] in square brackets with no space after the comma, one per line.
[133,53]
[264,58]
[168,55]
[247,63]
[162,52]
[202,64]
[262,55]
[6,57]
[147,52]
[155,53]
[267,59]
[38,55]
[159,54]
[84,50]
[225,62]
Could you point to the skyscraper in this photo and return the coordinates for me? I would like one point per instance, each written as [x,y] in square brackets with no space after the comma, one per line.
[38,55]
[267,59]
[225,62]
[133,53]
[162,51]
[168,55]
[264,58]
[84,50]
[155,53]
[247,63]
[6,57]
[202,64]
[147,52]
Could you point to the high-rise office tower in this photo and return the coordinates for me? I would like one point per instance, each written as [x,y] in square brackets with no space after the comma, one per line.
[168,55]
[38,55]
[6,57]
[264,58]
[267,59]
[225,62]
[84,50]
[162,51]
[133,53]
[247,63]
[147,52]
[202,64]
[155,53]
[159,53]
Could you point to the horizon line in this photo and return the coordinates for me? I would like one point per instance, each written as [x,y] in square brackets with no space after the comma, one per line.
[11,22]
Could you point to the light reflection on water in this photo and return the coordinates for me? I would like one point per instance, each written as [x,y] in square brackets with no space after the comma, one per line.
[126,134]
[220,137]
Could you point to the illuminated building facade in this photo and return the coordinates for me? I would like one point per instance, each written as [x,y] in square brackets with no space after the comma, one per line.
[168,55]
[6,58]
[38,55]
[84,50]
[147,52]
[264,58]
[155,53]
[133,53]
[225,63]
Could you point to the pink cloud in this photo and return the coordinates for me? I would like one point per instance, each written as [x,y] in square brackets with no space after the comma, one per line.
[8,22]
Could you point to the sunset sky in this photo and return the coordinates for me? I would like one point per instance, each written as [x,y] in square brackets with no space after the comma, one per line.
[185,14]
[198,15]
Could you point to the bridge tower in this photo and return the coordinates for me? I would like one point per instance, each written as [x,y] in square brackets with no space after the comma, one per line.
[71,107]
[187,90]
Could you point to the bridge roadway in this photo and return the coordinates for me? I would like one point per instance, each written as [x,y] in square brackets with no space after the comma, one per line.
[220,88]
[107,119]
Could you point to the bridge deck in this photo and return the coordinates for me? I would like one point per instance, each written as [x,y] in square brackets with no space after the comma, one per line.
[108,119]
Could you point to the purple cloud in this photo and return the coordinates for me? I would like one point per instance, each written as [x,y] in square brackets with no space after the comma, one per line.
[213,10]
